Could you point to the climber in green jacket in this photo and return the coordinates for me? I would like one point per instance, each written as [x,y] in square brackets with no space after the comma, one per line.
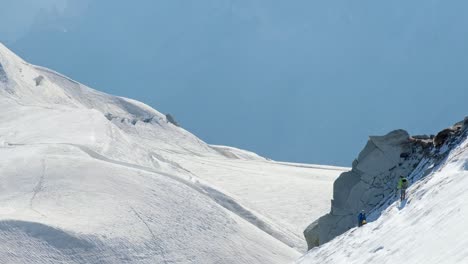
[402,186]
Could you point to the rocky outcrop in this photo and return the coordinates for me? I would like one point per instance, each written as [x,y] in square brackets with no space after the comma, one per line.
[38,80]
[373,179]
[447,133]
[171,119]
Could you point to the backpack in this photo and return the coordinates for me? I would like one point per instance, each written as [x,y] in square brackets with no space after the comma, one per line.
[404,183]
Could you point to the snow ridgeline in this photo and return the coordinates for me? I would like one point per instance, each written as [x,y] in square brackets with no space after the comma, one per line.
[87,177]
[428,227]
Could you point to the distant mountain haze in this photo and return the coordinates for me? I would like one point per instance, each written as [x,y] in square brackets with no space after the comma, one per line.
[301,81]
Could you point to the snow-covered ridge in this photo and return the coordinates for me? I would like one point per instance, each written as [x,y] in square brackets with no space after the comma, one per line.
[36,86]
[425,228]
[315,166]
[121,184]
[236,153]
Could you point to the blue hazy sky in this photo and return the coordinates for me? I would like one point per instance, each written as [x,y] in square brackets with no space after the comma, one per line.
[302,80]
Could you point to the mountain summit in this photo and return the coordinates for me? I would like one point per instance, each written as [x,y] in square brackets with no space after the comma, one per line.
[88,177]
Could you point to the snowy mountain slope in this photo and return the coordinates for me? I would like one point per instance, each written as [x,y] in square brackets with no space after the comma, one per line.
[66,205]
[271,188]
[58,92]
[429,228]
[123,185]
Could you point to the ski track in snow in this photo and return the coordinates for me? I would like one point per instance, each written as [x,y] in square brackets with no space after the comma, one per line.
[38,188]
[217,196]
[152,245]
[155,239]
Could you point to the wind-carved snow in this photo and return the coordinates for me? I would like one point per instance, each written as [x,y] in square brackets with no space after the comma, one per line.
[118,183]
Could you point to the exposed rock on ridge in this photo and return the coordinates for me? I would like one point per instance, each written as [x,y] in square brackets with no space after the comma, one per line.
[374,175]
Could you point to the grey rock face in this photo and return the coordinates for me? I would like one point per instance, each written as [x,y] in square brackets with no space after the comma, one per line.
[372,180]
[442,136]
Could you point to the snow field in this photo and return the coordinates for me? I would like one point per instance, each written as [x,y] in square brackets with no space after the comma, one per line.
[88,177]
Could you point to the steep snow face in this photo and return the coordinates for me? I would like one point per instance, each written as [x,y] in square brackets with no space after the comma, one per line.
[430,227]
[120,184]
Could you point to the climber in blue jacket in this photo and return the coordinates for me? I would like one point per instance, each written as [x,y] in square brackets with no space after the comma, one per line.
[362,218]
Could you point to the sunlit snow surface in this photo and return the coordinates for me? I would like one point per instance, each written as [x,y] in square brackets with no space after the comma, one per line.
[431,227]
[86,177]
